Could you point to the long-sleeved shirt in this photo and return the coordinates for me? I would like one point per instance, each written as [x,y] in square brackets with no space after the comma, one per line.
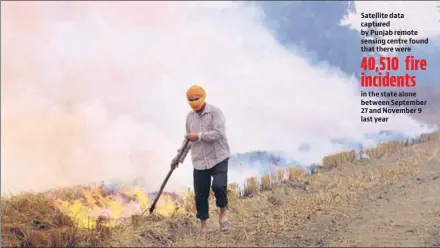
[212,147]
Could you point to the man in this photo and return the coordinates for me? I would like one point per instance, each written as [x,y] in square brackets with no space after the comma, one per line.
[205,127]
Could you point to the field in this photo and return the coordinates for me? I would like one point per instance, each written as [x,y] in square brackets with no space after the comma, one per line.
[391,198]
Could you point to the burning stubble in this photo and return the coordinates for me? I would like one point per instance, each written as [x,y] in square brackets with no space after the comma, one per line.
[94,91]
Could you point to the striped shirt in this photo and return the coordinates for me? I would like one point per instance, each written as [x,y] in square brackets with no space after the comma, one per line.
[212,147]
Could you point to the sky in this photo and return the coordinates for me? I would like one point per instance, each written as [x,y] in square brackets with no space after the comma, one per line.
[95,91]
[420,16]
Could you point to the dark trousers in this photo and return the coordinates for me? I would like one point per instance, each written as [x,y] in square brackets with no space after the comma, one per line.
[202,185]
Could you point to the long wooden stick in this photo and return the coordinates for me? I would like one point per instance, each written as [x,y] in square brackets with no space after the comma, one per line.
[179,155]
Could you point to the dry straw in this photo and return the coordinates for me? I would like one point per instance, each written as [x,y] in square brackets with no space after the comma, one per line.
[31,220]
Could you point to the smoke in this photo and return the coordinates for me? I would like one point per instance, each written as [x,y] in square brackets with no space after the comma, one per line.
[95,91]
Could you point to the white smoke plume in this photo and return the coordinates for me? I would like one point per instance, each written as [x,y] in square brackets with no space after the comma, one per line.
[95,91]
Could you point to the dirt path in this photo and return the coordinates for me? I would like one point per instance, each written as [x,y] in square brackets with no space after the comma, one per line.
[407,214]
[403,213]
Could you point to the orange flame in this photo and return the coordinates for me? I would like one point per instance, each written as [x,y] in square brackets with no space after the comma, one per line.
[95,206]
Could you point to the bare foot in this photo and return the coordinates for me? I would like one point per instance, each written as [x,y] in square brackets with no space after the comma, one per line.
[223,220]
[203,228]
[222,217]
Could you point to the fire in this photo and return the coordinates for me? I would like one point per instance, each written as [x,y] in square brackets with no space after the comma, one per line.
[142,198]
[109,208]
[166,205]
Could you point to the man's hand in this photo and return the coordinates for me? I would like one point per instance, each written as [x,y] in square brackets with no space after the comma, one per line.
[192,136]
[174,163]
